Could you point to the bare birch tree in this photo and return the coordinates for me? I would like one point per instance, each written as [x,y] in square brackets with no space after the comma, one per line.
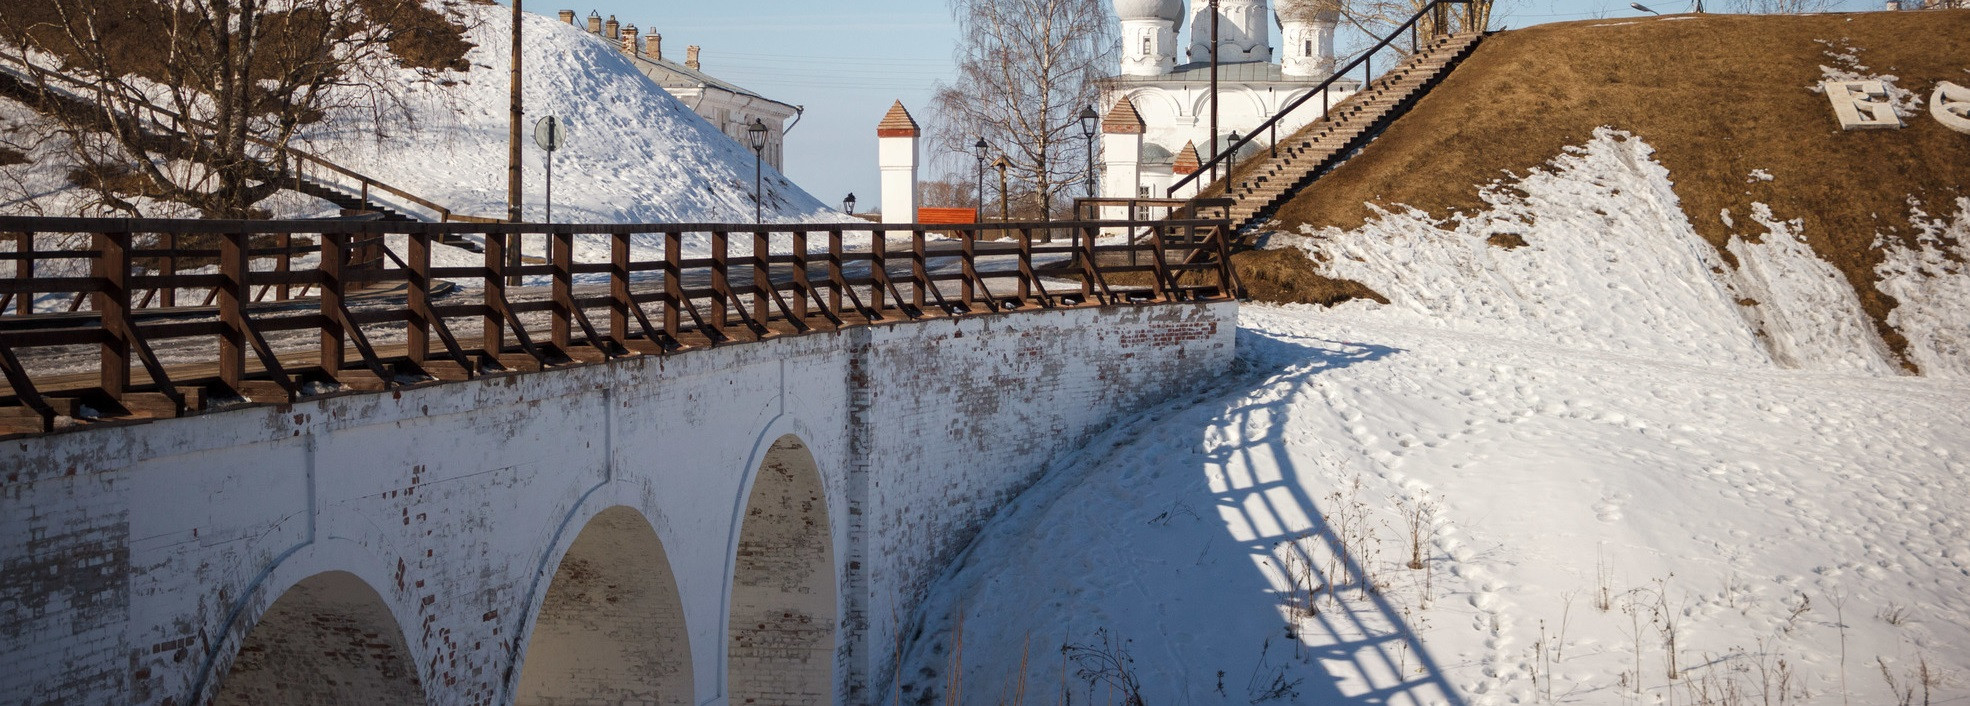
[1026,69]
[197,101]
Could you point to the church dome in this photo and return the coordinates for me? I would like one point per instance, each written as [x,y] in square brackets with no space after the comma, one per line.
[1307,10]
[1166,10]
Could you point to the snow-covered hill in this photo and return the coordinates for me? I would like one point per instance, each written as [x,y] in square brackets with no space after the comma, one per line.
[634,154]
[1616,489]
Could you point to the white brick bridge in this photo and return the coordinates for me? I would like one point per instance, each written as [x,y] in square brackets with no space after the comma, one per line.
[741,524]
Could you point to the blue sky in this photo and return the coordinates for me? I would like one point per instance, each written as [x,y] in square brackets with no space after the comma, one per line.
[846,61]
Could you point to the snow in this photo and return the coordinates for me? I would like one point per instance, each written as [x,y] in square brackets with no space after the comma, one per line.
[1722,495]
[1596,441]
[1931,283]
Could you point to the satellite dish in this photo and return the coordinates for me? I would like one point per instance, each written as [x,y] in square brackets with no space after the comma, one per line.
[549,133]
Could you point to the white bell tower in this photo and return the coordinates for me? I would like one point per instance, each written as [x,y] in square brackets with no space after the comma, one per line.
[1149,35]
[1244,31]
[1307,34]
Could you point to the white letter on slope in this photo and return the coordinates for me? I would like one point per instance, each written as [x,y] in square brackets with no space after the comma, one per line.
[1861,105]
[1950,105]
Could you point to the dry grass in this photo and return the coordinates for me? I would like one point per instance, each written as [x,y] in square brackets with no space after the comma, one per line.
[1717,95]
[1286,277]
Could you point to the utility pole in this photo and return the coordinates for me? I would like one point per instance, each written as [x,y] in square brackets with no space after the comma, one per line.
[513,134]
[1214,87]
[513,195]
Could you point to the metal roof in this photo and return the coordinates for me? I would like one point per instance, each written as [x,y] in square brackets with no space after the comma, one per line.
[670,74]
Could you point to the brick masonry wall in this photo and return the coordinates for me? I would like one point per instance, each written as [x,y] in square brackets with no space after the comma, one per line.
[135,561]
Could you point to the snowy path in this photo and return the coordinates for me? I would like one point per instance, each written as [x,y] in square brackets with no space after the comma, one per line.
[1748,511]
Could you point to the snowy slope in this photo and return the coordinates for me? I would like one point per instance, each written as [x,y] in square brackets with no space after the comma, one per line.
[634,154]
[1595,442]
[1759,509]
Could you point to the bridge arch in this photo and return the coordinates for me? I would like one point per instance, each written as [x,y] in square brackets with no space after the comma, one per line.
[783,612]
[611,628]
[330,639]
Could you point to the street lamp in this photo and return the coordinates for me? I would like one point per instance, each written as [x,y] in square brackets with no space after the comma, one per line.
[980,147]
[758,134]
[1643,8]
[1089,119]
[848,204]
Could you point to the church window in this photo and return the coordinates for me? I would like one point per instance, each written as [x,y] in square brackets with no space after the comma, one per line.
[1146,45]
[1309,48]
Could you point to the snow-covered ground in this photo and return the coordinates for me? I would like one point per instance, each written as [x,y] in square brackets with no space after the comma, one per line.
[1576,509]
[1603,467]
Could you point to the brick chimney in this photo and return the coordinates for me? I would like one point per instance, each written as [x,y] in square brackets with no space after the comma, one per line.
[654,47]
[691,57]
[629,40]
[612,29]
[594,23]
[568,16]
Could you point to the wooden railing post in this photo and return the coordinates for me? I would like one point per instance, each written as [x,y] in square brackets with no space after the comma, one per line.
[24,272]
[563,255]
[418,329]
[232,290]
[332,333]
[968,243]
[720,282]
[834,270]
[619,286]
[493,331]
[762,277]
[284,266]
[673,282]
[112,268]
[1025,264]
[919,270]
[878,267]
[803,289]
[169,297]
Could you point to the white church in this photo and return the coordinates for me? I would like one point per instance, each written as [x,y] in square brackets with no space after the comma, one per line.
[1158,124]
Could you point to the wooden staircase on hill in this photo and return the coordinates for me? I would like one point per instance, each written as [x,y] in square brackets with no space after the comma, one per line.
[1264,182]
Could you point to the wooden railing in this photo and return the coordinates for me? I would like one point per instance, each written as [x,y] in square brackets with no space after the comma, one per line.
[300,158]
[294,343]
[1437,10]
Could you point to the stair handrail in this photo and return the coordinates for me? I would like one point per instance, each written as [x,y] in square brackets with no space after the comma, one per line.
[444,214]
[1366,60]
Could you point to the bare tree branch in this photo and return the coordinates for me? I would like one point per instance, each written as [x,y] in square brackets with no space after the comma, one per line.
[1026,68]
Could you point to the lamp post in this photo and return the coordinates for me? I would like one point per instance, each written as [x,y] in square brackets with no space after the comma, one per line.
[758,135]
[980,147]
[1089,119]
[848,204]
